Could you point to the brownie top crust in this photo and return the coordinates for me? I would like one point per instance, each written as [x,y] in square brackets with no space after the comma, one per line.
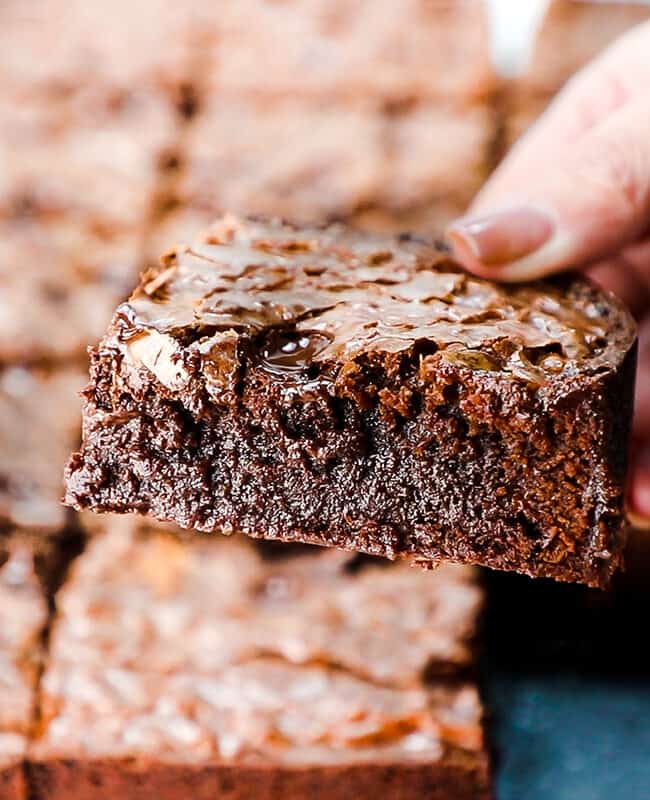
[304,302]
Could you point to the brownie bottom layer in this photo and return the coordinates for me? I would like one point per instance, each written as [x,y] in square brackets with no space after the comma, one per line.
[356,484]
[12,782]
[464,778]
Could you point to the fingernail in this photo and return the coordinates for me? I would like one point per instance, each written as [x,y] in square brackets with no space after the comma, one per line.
[501,237]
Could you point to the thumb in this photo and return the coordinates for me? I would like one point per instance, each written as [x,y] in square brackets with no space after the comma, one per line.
[551,211]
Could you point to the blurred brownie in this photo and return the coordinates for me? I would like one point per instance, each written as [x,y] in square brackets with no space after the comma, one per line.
[572,33]
[95,159]
[80,185]
[312,158]
[198,605]
[429,219]
[206,669]
[23,615]
[60,282]
[151,44]
[438,155]
[38,425]
[417,48]
[361,391]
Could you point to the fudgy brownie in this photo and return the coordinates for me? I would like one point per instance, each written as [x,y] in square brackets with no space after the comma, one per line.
[206,669]
[319,158]
[23,614]
[438,156]
[80,180]
[312,156]
[150,45]
[324,386]
[417,48]
[60,283]
[94,157]
[38,426]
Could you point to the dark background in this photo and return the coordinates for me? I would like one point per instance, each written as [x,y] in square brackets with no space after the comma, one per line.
[567,685]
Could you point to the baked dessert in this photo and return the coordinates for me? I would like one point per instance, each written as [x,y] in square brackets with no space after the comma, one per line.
[94,157]
[314,157]
[52,314]
[150,45]
[209,668]
[322,158]
[361,391]
[23,615]
[419,48]
[38,426]
[438,156]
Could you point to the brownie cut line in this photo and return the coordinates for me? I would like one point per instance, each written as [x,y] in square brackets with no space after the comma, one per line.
[361,391]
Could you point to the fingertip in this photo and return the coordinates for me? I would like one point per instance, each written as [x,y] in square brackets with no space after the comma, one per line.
[503,245]
[464,252]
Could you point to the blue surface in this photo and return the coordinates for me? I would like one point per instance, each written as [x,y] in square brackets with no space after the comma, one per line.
[564,737]
[567,688]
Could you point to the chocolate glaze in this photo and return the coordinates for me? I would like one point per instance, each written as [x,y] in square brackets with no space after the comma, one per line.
[352,294]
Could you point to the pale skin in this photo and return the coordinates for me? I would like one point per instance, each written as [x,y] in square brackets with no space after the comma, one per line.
[575,193]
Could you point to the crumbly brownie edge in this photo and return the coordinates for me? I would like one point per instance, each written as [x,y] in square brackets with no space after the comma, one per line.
[460,777]
[149,454]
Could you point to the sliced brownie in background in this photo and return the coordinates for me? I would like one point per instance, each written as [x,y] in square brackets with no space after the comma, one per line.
[60,49]
[201,667]
[39,422]
[359,109]
[421,48]
[79,190]
[362,391]
[23,618]
[60,282]
[89,148]
[572,33]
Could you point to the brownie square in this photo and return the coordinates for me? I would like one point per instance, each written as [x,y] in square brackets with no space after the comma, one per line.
[439,156]
[23,615]
[95,158]
[61,48]
[361,391]
[80,184]
[319,159]
[429,219]
[38,426]
[61,281]
[416,48]
[311,158]
[208,667]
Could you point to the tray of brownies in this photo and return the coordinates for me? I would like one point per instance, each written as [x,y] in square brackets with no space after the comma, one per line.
[291,504]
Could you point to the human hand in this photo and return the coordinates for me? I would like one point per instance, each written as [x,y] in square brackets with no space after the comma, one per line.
[575,192]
